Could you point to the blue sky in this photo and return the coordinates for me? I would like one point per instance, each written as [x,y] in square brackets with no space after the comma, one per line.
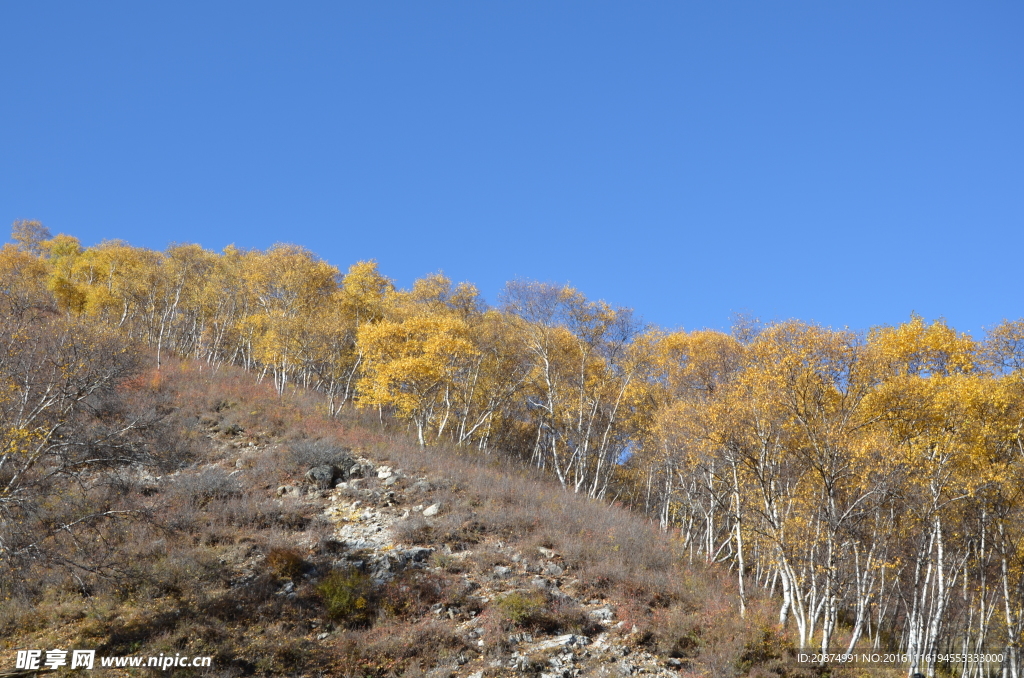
[841,162]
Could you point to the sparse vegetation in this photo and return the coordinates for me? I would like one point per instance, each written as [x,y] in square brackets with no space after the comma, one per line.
[523,609]
[213,545]
[349,597]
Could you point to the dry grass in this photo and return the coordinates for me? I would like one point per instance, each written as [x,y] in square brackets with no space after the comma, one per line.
[202,566]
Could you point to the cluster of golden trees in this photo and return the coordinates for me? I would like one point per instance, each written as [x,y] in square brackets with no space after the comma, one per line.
[872,481]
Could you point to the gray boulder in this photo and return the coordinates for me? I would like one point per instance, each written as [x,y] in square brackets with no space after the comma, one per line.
[322,477]
[419,553]
[553,570]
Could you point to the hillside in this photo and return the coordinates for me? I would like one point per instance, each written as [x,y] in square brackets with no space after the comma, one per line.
[850,492]
[399,561]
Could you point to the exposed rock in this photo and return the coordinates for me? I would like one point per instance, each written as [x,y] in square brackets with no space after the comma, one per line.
[363,539]
[419,553]
[553,569]
[321,477]
[568,640]
[360,470]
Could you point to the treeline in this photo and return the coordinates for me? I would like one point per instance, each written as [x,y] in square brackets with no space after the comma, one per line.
[872,480]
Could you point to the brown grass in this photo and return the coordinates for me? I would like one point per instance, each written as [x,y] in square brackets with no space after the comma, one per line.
[202,566]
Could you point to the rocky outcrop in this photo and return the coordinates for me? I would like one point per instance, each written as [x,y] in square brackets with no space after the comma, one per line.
[364,519]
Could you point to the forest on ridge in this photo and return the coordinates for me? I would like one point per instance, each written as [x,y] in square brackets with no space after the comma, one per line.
[871,481]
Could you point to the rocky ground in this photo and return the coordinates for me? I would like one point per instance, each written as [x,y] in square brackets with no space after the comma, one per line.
[367,502]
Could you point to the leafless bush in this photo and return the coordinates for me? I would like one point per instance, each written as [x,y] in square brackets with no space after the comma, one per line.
[397,647]
[210,484]
[320,452]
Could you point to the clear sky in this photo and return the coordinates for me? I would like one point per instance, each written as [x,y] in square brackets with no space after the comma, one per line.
[842,162]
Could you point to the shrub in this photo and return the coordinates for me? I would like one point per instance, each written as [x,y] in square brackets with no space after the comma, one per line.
[564,615]
[285,562]
[766,648]
[398,649]
[306,454]
[412,593]
[349,597]
[447,562]
[413,530]
[211,484]
[523,608]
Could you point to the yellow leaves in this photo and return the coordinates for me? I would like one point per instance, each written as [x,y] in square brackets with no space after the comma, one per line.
[22,280]
[289,278]
[924,350]
[695,364]
[363,293]
[408,361]
[1004,347]
[30,236]
[18,440]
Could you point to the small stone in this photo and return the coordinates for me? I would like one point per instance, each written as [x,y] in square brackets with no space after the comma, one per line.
[501,571]
[431,510]
[322,636]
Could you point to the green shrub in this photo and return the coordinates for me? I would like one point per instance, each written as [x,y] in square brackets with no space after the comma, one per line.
[523,609]
[349,597]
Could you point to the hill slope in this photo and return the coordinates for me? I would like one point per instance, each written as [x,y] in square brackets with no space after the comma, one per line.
[279,541]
